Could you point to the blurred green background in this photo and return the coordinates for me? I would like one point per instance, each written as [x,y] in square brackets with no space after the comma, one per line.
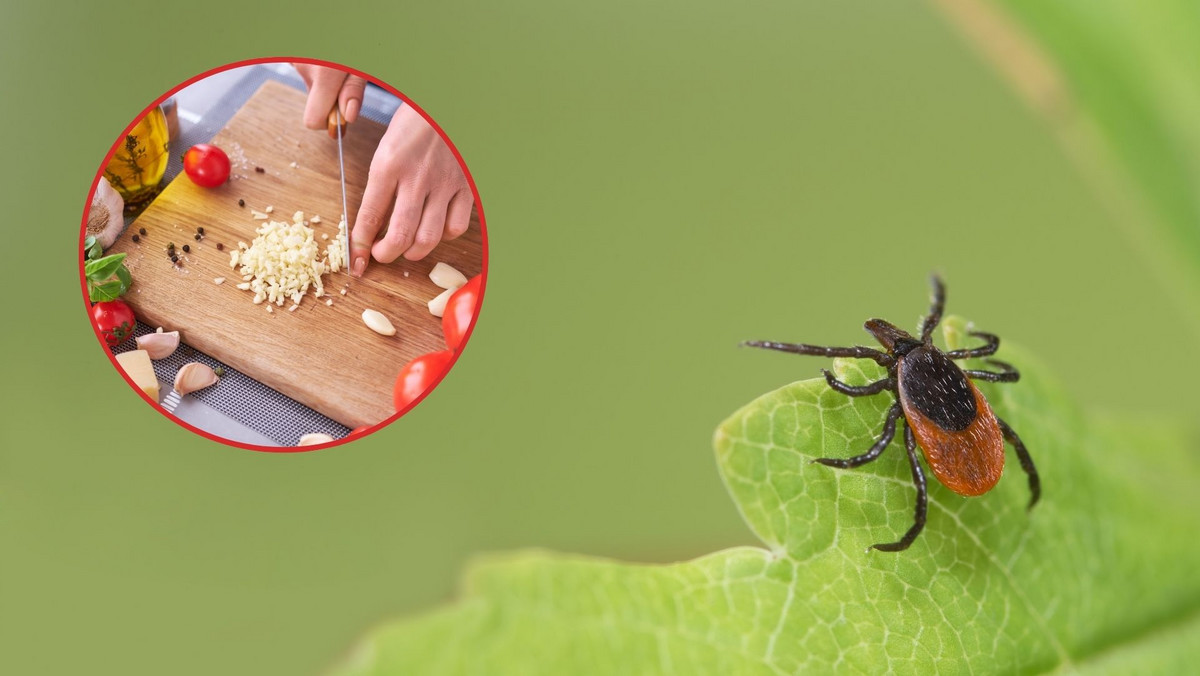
[660,183]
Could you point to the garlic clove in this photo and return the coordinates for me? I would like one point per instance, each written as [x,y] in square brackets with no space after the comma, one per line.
[446,276]
[314,439]
[194,376]
[437,306]
[159,345]
[378,323]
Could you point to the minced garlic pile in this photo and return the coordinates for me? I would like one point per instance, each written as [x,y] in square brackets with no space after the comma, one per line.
[284,261]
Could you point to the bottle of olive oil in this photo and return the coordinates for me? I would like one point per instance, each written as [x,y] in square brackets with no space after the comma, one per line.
[140,161]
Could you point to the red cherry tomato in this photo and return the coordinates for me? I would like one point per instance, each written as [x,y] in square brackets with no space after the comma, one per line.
[418,375]
[460,311]
[115,321]
[207,165]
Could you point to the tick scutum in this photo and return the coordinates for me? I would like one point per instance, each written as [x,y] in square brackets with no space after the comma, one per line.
[937,388]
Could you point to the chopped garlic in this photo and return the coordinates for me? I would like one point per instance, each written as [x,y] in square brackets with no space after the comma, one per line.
[337,249]
[218,280]
[270,309]
[324,236]
[293,308]
[343,292]
[316,218]
[270,208]
[244,286]
[293,165]
[329,302]
[298,217]
[258,215]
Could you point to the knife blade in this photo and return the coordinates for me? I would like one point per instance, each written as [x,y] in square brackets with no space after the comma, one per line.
[335,122]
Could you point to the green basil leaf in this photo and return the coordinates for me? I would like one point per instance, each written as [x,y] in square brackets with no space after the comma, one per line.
[125,278]
[105,291]
[103,268]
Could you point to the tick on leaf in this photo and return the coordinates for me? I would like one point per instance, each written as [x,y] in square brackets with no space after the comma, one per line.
[942,410]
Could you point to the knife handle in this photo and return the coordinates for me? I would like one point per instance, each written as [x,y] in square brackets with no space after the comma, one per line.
[331,123]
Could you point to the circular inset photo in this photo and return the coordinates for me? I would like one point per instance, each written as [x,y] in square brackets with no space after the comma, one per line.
[283,254]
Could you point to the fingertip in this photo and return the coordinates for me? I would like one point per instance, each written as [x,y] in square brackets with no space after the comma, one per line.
[352,109]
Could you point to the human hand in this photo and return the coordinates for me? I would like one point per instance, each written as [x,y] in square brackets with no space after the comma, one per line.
[326,85]
[415,177]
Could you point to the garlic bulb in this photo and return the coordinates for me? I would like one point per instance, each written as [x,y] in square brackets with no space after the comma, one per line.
[194,376]
[159,345]
[106,215]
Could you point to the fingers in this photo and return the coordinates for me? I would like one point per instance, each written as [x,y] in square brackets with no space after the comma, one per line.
[350,97]
[402,229]
[429,232]
[376,203]
[458,213]
[324,90]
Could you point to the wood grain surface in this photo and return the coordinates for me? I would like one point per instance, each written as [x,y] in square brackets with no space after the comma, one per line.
[322,356]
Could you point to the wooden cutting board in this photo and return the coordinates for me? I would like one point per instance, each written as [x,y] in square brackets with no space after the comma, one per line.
[322,356]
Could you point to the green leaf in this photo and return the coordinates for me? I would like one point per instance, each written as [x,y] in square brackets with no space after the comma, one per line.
[1118,84]
[103,268]
[89,242]
[125,278]
[110,290]
[1099,578]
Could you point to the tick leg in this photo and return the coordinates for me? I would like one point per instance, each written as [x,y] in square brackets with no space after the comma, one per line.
[1035,484]
[935,311]
[1008,374]
[922,499]
[858,390]
[881,358]
[885,438]
[987,350]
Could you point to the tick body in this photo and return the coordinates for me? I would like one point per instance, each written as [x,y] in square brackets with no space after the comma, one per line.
[940,409]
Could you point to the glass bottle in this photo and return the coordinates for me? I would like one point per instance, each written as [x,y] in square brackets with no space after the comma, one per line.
[141,160]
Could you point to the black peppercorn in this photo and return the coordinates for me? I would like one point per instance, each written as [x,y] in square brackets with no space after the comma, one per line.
[141,231]
[174,258]
[200,230]
[220,247]
[241,203]
[260,170]
[136,238]
[186,248]
[197,237]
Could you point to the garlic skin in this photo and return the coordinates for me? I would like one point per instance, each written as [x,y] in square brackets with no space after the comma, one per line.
[378,323]
[314,439]
[194,376]
[106,215]
[159,345]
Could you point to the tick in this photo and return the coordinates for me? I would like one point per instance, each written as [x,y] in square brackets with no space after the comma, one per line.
[942,410]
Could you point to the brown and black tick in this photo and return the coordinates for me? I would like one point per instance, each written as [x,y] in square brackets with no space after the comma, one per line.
[943,411]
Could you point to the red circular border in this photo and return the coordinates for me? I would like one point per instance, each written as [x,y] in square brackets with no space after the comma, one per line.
[352,436]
